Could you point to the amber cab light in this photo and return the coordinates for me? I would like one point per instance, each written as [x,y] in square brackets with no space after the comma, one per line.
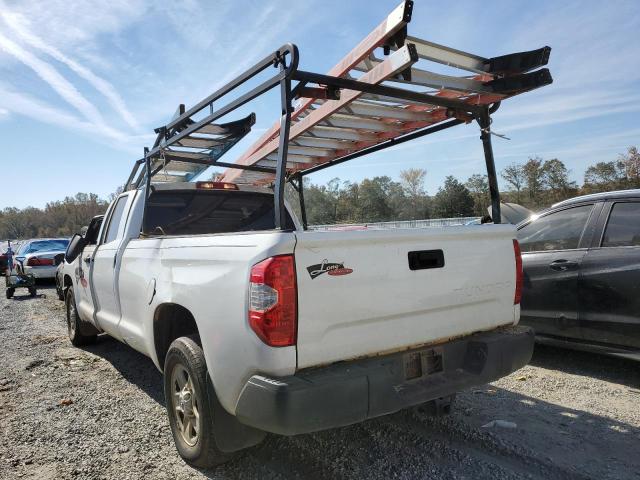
[216,186]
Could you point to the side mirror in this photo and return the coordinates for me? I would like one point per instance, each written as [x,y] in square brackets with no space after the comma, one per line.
[75,247]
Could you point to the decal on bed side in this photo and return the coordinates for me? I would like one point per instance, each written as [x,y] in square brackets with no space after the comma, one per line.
[332,268]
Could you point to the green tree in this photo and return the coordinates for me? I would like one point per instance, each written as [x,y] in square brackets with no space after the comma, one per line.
[320,205]
[556,179]
[373,200]
[453,200]
[604,176]
[478,186]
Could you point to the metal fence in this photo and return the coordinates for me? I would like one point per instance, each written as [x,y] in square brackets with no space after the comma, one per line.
[431,222]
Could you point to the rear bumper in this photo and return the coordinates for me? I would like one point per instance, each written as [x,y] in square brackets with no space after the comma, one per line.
[45,271]
[350,392]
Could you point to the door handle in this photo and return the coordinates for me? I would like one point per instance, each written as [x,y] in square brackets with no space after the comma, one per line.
[563,265]
[87,260]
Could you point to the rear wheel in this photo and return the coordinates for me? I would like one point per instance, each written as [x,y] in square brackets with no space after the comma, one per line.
[32,291]
[74,323]
[189,407]
[10,292]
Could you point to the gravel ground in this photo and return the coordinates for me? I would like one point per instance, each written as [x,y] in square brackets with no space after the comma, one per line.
[98,413]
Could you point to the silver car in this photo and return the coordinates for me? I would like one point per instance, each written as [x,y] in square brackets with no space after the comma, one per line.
[38,256]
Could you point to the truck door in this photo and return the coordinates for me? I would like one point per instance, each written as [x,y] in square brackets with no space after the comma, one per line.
[84,297]
[609,285]
[105,266]
[551,257]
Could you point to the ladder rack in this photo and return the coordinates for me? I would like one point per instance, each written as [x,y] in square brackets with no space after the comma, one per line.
[384,92]
[324,129]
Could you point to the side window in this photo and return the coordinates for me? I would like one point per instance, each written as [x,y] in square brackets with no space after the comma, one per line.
[115,219]
[92,232]
[623,227]
[557,231]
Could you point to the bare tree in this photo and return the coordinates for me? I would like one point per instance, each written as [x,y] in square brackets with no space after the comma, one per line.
[412,181]
[514,175]
[535,178]
[631,162]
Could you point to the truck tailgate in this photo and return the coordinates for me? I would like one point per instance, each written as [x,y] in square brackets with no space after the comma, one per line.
[362,293]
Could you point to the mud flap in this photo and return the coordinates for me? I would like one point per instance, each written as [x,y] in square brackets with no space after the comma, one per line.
[438,407]
[87,329]
[230,434]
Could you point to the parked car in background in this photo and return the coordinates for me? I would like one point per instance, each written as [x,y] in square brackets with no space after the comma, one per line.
[4,257]
[512,213]
[64,268]
[37,256]
[581,262]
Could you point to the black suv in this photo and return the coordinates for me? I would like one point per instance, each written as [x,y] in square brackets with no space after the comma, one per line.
[581,262]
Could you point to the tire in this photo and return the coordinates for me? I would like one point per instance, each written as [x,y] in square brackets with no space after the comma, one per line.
[185,390]
[74,323]
[59,290]
[33,291]
[10,292]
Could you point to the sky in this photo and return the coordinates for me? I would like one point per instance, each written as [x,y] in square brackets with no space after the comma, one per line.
[83,84]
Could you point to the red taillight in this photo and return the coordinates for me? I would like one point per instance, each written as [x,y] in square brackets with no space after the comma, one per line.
[39,262]
[519,274]
[216,186]
[273,309]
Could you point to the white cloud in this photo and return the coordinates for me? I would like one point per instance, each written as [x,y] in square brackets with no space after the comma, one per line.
[159,54]
[19,25]
[31,107]
[71,24]
[55,80]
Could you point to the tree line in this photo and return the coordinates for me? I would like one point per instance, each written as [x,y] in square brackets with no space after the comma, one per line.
[535,184]
[538,183]
[61,218]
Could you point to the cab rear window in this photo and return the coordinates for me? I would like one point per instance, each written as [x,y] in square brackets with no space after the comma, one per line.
[194,212]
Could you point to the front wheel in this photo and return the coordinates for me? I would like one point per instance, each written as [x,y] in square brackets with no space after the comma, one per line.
[33,291]
[74,323]
[188,405]
[59,290]
[10,292]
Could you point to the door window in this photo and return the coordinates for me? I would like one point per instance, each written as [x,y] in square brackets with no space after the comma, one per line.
[623,227]
[557,231]
[115,220]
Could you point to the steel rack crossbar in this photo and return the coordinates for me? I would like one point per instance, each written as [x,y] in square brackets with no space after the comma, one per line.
[382,93]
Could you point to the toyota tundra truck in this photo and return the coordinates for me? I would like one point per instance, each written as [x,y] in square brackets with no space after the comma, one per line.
[289,331]
[261,324]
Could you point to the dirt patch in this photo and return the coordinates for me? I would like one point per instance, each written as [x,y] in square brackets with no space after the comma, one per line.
[98,413]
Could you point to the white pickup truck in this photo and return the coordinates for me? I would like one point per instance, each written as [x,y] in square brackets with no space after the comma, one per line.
[289,331]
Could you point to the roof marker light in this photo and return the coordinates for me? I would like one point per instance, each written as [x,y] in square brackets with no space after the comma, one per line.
[216,186]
